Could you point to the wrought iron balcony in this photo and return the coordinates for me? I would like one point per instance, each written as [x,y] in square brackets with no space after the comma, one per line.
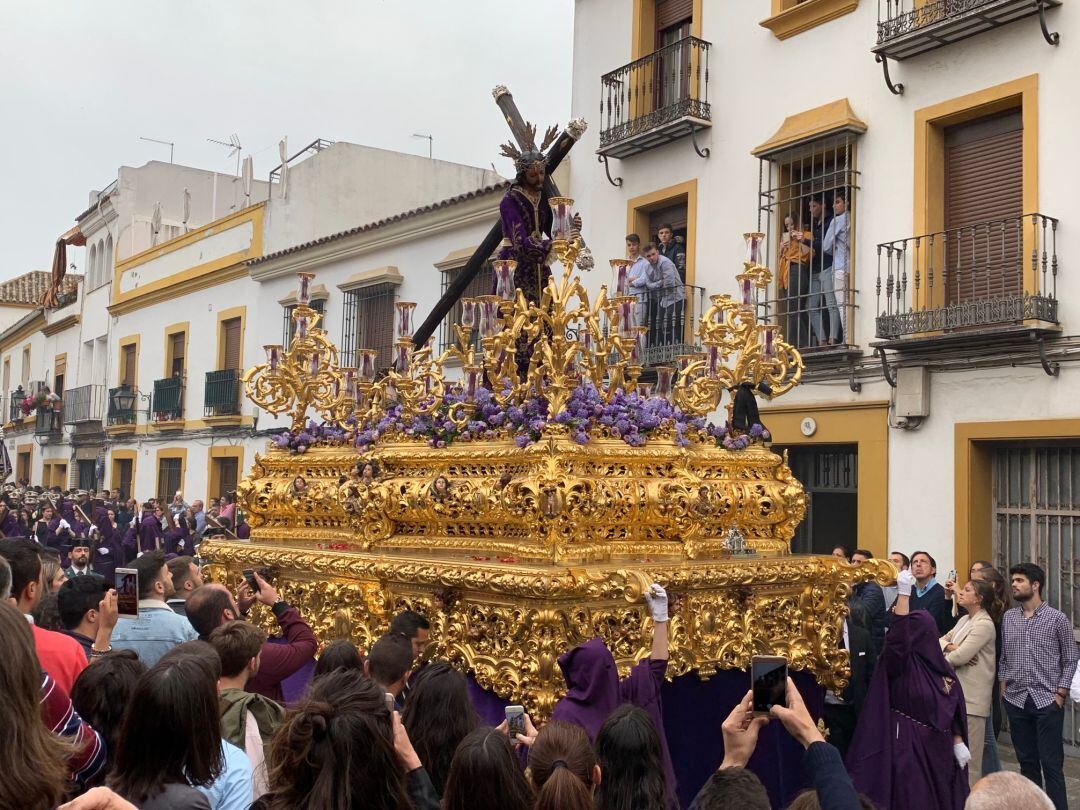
[672,317]
[909,27]
[122,410]
[84,404]
[968,282]
[656,99]
[168,402]
[222,394]
[49,421]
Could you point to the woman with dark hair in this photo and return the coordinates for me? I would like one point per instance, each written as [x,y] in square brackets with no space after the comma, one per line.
[564,768]
[485,774]
[160,771]
[438,715]
[103,691]
[991,761]
[342,747]
[628,749]
[340,654]
[34,759]
[26,523]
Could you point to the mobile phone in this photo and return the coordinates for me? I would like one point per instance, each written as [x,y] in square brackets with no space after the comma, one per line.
[515,721]
[127,592]
[952,575]
[768,673]
[390,702]
[253,583]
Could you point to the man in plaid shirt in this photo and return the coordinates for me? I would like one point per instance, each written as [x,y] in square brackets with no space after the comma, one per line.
[1038,659]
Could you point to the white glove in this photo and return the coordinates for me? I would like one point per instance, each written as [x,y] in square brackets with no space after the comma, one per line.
[905,581]
[962,754]
[179,545]
[63,524]
[656,596]
[104,551]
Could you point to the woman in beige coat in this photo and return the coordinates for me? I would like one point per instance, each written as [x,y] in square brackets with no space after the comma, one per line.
[969,648]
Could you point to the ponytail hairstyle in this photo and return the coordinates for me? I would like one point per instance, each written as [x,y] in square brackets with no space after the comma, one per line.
[631,759]
[485,774]
[562,762]
[336,749]
[991,598]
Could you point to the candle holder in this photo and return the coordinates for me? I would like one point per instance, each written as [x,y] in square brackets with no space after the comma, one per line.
[404,319]
[620,271]
[504,278]
[303,295]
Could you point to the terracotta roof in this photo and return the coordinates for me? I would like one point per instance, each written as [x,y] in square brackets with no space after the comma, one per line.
[371,226]
[30,288]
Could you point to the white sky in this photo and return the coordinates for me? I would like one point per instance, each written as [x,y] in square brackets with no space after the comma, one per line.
[81,80]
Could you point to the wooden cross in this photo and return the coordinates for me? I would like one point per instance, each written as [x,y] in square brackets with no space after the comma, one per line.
[569,136]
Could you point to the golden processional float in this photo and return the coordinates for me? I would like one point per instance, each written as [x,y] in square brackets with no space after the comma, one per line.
[525,514]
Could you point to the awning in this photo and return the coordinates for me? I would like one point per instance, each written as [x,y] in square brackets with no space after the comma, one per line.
[810,125]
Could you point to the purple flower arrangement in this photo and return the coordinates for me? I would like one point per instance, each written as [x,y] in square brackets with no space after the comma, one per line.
[629,417]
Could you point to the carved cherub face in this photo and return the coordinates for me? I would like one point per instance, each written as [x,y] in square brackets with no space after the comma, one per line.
[299,484]
[441,485]
[367,472]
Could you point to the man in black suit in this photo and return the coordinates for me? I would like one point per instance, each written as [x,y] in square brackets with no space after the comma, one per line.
[873,598]
[842,711]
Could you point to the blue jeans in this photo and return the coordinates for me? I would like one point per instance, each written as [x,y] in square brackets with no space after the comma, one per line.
[814,304]
[1036,737]
[991,762]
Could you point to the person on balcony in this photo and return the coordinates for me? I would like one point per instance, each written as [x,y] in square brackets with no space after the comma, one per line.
[820,266]
[671,248]
[794,279]
[637,273]
[666,296]
[838,242]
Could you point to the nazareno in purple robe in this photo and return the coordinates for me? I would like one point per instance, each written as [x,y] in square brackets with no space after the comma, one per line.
[9,526]
[150,533]
[594,690]
[902,753]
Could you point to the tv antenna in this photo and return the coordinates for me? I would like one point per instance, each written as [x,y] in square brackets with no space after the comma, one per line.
[169,144]
[430,142]
[234,147]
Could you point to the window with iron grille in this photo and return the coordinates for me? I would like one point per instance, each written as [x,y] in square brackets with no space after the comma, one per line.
[1037,519]
[483,283]
[812,297]
[170,478]
[368,323]
[288,326]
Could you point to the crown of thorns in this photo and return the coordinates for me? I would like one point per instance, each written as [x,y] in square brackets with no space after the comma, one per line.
[523,158]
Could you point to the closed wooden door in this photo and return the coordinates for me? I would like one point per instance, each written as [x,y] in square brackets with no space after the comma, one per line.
[230,336]
[983,210]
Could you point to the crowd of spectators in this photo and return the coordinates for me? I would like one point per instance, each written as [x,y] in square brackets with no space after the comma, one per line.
[187,706]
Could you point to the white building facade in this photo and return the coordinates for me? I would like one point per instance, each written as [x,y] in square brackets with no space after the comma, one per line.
[725,118]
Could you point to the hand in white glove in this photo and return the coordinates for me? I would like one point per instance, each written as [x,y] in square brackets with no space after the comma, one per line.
[905,581]
[962,754]
[63,524]
[103,551]
[656,596]
[179,545]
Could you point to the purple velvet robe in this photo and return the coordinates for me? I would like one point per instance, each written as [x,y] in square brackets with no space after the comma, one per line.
[106,563]
[243,531]
[130,543]
[902,753]
[9,526]
[173,539]
[594,691]
[527,228]
[150,534]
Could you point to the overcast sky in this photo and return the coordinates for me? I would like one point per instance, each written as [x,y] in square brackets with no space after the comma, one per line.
[81,81]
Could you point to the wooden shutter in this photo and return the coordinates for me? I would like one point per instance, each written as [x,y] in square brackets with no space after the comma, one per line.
[227,475]
[672,12]
[123,473]
[128,365]
[984,188]
[176,352]
[230,334]
[376,323]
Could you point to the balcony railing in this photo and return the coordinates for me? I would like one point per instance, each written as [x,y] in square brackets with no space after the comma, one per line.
[222,394]
[672,315]
[84,404]
[120,412]
[990,274]
[655,99]
[49,421]
[909,27]
[817,319]
[168,402]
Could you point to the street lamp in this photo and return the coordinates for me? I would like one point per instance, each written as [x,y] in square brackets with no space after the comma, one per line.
[123,399]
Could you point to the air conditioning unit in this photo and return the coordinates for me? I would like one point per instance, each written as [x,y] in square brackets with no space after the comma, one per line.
[912,392]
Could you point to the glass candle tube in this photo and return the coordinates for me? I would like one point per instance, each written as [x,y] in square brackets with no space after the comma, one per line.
[644,390]
[301,327]
[367,364]
[273,355]
[303,295]
[504,278]
[712,359]
[769,337]
[404,318]
[627,316]
[562,216]
[620,271]
[663,381]
[316,364]
[754,244]
[468,312]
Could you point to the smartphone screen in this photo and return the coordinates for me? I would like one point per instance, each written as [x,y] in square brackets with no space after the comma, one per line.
[769,675]
[515,721]
[253,583]
[127,592]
